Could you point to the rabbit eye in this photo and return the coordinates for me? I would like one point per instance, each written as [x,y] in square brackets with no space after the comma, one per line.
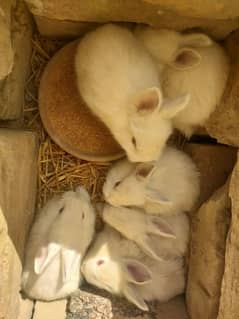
[117,183]
[133,140]
[100,262]
[61,209]
[83,215]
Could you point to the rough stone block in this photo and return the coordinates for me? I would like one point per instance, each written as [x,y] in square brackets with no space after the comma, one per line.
[159,13]
[18,177]
[215,163]
[229,306]
[50,310]
[6,50]
[12,86]
[206,263]
[100,304]
[223,123]
[25,309]
[10,270]
[62,29]
[221,9]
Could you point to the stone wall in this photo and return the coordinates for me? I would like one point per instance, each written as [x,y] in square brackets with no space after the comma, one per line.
[212,290]
[15,49]
[217,18]
[10,270]
[18,182]
[207,250]
[229,306]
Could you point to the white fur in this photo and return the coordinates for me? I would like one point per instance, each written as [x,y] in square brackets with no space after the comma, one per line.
[117,265]
[167,186]
[202,72]
[56,245]
[118,80]
[159,237]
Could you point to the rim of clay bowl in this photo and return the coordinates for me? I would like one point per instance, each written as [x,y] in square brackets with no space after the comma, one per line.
[48,127]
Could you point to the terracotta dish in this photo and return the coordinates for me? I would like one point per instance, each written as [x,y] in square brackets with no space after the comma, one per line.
[66,117]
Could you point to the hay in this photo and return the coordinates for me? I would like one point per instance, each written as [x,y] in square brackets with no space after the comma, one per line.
[58,171]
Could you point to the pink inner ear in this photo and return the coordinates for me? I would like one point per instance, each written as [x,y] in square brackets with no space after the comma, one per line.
[186,57]
[148,102]
[144,171]
[139,274]
[163,227]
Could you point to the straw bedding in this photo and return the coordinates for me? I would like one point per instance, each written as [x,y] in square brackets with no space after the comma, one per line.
[57,170]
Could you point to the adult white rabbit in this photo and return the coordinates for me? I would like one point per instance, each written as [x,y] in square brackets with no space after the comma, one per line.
[159,237]
[57,242]
[169,185]
[118,80]
[191,63]
[117,265]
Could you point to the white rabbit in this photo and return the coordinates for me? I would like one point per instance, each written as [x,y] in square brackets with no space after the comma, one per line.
[117,265]
[58,241]
[191,63]
[159,237]
[167,186]
[118,80]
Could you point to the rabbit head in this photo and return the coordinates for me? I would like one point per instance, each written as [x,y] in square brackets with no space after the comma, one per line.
[173,48]
[70,232]
[120,170]
[150,124]
[133,189]
[142,229]
[105,268]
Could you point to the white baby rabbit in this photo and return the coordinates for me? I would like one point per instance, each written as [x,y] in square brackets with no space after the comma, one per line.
[118,80]
[117,265]
[191,63]
[58,241]
[169,185]
[159,237]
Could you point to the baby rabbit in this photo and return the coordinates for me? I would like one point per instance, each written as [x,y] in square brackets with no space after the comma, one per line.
[191,63]
[167,186]
[58,241]
[118,80]
[117,265]
[158,237]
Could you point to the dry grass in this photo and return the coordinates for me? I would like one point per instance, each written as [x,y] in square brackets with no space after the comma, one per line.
[57,170]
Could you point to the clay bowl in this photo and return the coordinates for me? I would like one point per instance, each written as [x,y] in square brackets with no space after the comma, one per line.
[66,117]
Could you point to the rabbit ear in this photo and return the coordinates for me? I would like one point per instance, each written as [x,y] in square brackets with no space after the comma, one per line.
[196,40]
[45,256]
[136,272]
[186,58]
[70,264]
[171,107]
[148,101]
[145,243]
[144,170]
[154,196]
[160,227]
[131,293]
